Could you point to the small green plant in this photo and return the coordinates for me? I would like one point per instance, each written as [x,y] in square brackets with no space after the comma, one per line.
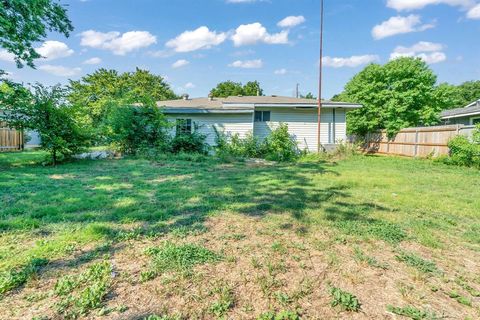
[460,299]
[412,313]
[464,285]
[411,259]
[15,278]
[282,315]
[164,317]
[344,299]
[79,294]
[371,261]
[180,258]
[225,301]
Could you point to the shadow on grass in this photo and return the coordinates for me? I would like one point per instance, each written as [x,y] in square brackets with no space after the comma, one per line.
[117,200]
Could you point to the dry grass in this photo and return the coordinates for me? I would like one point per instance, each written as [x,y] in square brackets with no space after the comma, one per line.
[271,259]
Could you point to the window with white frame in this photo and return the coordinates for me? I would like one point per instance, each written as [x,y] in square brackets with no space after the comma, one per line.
[262,116]
[184,126]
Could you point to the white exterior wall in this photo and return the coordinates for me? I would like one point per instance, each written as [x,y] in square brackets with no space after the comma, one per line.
[302,124]
[229,124]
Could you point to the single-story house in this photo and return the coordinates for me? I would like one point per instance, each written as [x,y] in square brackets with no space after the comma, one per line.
[469,115]
[260,115]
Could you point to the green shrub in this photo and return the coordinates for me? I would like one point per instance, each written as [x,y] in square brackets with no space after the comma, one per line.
[189,143]
[280,145]
[463,152]
[131,129]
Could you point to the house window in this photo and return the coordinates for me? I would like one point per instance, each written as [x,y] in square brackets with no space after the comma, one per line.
[262,116]
[184,126]
[475,121]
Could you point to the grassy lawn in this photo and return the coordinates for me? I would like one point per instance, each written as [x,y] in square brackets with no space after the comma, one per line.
[362,238]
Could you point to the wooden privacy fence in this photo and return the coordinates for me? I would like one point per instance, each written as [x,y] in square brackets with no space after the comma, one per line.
[10,139]
[415,142]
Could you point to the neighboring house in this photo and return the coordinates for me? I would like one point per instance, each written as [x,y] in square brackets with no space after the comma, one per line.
[260,115]
[469,115]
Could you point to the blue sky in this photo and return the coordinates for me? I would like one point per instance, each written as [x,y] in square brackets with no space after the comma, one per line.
[198,43]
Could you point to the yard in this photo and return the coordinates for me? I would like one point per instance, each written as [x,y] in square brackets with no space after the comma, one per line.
[363,238]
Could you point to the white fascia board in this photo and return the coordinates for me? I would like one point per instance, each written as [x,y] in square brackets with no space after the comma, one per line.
[477,113]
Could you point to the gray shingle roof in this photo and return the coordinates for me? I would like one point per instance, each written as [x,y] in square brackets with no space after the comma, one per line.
[471,109]
[248,101]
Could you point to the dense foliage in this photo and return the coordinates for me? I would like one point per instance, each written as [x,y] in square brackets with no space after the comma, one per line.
[98,92]
[465,152]
[394,96]
[278,146]
[189,143]
[22,23]
[131,129]
[45,111]
[230,88]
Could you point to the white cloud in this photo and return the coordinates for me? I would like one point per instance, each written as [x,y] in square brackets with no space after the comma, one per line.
[249,34]
[7,56]
[201,38]
[180,63]
[51,50]
[247,64]
[404,5]
[60,71]
[94,60]
[474,12]
[399,25]
[428,51]
[350,62]
[291,21]
[280,71]
[119,44]
[189,85]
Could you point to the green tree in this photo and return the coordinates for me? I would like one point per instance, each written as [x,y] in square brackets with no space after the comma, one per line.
[45,111]
[22,23]
[447,96]
[96,93]
[134,128]
[470,91]
[308,96]
[230,88]
[226,89]
[396,95]
[252,88]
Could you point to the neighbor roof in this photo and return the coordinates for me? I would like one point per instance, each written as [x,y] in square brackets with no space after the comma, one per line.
[244,104]
[471,110]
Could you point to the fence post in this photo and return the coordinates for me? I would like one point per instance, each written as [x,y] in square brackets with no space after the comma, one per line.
[416,143]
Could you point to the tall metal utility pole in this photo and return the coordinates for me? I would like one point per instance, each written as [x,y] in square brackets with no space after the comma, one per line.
[320,78]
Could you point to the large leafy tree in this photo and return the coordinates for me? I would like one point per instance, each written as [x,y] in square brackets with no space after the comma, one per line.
[46,111]
[96,93]
[24,22]
[469,91]
[396,95]
[230,88]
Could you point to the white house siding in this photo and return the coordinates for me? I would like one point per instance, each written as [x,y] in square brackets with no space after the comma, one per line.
[302,124]
[228,123]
